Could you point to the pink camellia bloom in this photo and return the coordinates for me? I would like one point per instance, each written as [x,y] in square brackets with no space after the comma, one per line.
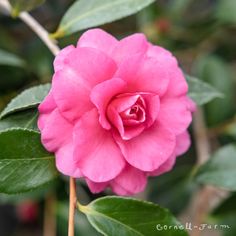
[117,112]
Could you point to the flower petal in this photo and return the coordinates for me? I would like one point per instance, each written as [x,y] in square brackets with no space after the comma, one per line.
[97,154]
[71,94]
[152,108]
[99,39]
[183,142]
[92,65]
[96,187]
[102,94]
[165,167]
[144,74]
[45,109]
[48,104]
[177,85]
[161,54]
[131,132]
[136,43]
[119,105]
[61,59]
[65,162]
[56,130]
[130,181]
[150,149]
[174,114]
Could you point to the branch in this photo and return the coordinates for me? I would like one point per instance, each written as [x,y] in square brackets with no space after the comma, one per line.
[34,25]
[200,204]
[201,137]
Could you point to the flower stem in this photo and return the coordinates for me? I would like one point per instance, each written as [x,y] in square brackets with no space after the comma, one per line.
[40,31]
[72,207]
[34,25]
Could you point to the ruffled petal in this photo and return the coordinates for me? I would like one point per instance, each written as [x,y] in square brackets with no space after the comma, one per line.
[96,187]
[65,162]
[56,130]
[61,59]
[130,181]
[71,94]
[177,85]
[103,93]
[129,46]
[175,114]
[48,104]
[165,167]
[92,65]
[96,152]
[183,143]
[99,39]
[150,149]
[144,74]
[152,108]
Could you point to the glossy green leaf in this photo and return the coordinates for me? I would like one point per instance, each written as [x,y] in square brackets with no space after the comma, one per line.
[23,119]
[201,92]
[29,98]
[225,11]
[37,194]
[130,217]
[10,59]
[220,170]
[84,14]
[24,5]
[24,163]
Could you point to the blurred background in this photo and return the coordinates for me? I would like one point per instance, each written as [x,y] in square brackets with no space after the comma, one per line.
[200,33]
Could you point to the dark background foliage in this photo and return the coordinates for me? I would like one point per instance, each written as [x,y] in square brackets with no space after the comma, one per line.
[201,34]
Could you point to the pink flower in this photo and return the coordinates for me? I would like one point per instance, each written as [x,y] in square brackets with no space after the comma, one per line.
[117,112]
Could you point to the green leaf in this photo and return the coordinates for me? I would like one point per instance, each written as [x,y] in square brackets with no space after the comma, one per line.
[29,98]
[10,59]
[23,119]
[24,163]
[24,5]
[126,216]
[215,71]
[225,11]
[201,92]
[220,170]
[84,14]
[37,194]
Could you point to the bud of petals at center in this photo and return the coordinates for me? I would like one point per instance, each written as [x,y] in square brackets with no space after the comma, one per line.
[130,113]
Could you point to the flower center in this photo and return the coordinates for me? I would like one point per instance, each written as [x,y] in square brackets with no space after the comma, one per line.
[133,115]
